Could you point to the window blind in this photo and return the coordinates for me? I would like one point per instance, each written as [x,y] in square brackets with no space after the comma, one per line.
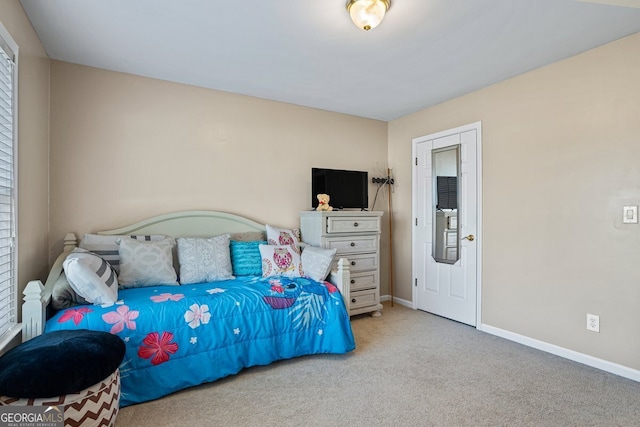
[8,303]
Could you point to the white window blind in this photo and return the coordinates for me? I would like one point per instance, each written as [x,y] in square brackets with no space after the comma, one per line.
[8,302]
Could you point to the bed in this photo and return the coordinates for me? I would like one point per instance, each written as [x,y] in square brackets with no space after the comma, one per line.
[178,336]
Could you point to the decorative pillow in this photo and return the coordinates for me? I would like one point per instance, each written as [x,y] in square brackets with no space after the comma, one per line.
[283,236]
[63,295]
[107,246]
[204,260]
[146,263]
[245,258]
[316,262]
[280,260]
[248,236]
[91,277]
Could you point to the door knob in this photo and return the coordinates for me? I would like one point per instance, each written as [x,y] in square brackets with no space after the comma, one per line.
[470,238]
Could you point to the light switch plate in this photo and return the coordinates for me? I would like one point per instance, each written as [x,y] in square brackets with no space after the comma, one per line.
[630,215]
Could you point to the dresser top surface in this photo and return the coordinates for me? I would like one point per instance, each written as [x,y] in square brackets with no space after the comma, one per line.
[341,213]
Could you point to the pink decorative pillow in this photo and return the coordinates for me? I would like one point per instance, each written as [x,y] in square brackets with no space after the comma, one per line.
[280,260]
[283,236]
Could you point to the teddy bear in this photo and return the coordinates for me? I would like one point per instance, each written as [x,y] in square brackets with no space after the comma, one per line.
[323,203]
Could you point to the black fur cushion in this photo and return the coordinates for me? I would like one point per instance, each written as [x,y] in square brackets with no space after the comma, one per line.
[59,363]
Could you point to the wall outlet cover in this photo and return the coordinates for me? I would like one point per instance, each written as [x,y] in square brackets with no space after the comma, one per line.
[593,322]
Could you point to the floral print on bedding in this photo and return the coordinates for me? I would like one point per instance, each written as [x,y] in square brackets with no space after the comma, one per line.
[178,337]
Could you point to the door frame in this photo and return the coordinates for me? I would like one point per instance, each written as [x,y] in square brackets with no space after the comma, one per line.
[414,210]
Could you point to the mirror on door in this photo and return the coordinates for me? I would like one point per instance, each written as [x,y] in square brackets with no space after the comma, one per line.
[446,204]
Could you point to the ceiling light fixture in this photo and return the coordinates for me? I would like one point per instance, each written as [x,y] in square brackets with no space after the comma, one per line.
[367,14]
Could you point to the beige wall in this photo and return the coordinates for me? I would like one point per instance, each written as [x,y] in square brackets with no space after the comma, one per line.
[560,146]
[33,145]
[561,157]
[125,147]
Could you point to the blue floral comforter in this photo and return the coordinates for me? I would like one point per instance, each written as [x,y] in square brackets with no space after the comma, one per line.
[181,336]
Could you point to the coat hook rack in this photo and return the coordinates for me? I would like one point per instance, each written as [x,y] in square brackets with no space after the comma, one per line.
[388,182]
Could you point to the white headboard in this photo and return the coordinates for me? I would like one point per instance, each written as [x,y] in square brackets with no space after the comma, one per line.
[190,224]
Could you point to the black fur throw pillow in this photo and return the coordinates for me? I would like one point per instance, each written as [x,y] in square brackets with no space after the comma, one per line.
[59,363]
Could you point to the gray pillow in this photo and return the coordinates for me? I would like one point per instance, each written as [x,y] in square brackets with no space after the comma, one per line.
[248,236]
[204,260]
[63,295]
[146,263]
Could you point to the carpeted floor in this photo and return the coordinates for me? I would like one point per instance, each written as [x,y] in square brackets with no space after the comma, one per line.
[410,368]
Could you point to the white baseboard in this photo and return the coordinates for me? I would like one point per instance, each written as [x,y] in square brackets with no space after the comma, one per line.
[594,362]
[400,301]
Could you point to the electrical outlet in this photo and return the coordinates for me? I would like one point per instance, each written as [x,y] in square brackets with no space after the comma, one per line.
[593,322]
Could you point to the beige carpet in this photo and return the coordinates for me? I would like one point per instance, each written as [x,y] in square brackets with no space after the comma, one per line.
[410,368]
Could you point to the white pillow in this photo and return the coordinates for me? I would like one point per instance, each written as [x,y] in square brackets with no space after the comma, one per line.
[280,260]
[316,262]
[283,236]
[91,277]
[146,263]
[204,260]
[107,246]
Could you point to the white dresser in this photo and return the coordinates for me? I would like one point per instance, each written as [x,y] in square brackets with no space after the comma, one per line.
[356,236]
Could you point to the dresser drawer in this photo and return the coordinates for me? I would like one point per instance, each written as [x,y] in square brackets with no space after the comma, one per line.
[353,244]
[450,238]
[360,262]
[363,298]
[366,280]
[352,225]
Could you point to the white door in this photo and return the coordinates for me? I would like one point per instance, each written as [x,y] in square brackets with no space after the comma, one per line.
[448,287]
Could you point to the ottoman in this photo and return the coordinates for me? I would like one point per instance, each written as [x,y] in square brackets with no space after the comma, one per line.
[76,369]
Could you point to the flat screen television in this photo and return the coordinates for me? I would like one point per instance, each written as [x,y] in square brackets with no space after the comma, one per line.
[347,189]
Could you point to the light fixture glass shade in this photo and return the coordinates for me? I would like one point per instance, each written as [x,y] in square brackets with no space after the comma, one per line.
[367,14]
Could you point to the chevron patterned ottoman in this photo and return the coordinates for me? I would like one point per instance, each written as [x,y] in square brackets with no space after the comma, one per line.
[95,406]
[77,370]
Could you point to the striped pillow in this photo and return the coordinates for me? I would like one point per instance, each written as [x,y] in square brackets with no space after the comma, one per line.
[107,246]
[91,277]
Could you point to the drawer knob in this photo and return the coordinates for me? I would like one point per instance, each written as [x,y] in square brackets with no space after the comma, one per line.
[353,281]
[353,244]
[355,224]
[353,263]
[353,300]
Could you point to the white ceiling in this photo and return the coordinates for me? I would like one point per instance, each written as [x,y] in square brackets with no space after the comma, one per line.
[307,52]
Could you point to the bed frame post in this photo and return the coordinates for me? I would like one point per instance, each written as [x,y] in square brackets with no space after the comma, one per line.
[341,277]
[33,310]
[37,297]
[70,242]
